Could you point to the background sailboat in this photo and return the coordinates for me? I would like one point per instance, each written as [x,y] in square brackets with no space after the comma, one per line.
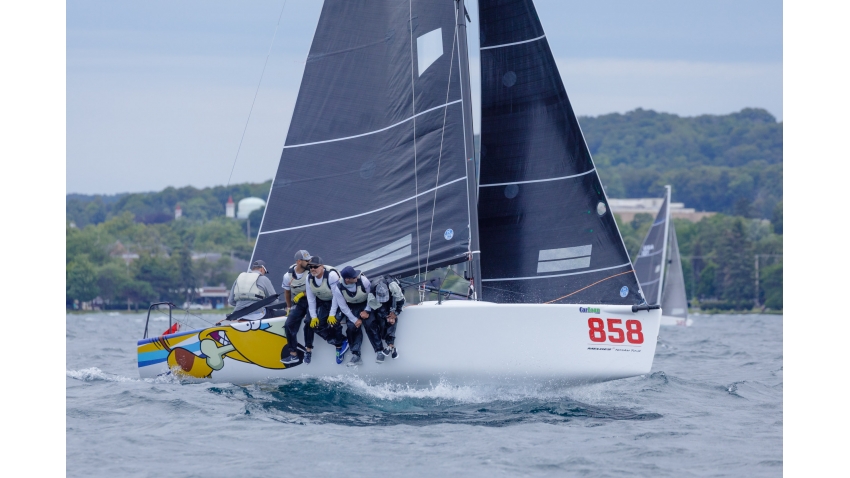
[659,268]
[378,173]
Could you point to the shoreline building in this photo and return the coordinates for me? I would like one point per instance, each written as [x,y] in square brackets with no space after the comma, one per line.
[627,209]
[230,208]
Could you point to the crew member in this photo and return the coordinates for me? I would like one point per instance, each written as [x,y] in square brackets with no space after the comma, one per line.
[321,303]
[295,294]
[251,287]
[386,301]
[352,294]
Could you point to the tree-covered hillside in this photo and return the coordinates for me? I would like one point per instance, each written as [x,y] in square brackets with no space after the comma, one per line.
[158,207]
[724,163]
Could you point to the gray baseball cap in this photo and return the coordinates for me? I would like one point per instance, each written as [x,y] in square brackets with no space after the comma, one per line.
[302,255]
[257,264]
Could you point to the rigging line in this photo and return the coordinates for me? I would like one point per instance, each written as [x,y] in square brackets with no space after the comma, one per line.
[503,279]
[440,157]
[413,106]
[232,168]
[589,286]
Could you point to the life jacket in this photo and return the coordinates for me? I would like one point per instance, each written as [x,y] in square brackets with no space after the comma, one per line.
[323,291]
[297,286]
[358,296]
[383,308]
[246,287]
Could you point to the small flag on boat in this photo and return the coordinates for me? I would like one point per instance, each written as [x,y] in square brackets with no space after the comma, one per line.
[172,330]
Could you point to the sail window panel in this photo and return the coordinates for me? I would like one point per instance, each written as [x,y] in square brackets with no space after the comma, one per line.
[429,47]
[564,253]
[563,265]
[503,22]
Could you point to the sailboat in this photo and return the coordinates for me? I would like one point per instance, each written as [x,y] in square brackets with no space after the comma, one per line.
[378,172]
[659,268]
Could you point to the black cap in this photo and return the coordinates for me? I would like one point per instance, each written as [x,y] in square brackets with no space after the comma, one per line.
[259,263]
[315,261]
[349,273]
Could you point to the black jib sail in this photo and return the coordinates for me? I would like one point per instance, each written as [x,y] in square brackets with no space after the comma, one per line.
[547,233]
[651,258]
[373,172]
[674,299]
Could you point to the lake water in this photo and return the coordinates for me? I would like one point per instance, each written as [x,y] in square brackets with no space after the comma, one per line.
[712,406]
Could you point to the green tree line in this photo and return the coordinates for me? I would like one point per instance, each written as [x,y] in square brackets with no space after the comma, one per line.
[719,259]
[722,163]
[128,263]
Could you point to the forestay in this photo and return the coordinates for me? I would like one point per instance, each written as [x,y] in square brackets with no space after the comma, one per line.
[650,261]
[547,233]
[372,173]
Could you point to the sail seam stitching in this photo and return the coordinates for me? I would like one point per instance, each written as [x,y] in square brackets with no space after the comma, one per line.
[557,275]
[376,131]
[537,180]
[364,213]
[512,44]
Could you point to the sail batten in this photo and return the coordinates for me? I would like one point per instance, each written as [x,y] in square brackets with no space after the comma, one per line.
[540,190]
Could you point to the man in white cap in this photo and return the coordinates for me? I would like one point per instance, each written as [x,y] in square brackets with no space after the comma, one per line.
[295,293]
[387,302]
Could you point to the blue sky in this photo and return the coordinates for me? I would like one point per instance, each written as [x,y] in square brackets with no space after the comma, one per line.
[158,92]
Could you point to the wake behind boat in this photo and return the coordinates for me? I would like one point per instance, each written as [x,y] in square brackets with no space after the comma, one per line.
[378,173]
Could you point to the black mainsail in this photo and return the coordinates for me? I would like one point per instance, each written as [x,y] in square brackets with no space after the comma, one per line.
[374,170]
[652,257]
[547,233]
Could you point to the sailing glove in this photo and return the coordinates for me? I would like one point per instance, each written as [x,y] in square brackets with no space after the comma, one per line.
[315,322]
[332,320]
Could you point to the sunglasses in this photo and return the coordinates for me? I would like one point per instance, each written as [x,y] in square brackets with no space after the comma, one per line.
[313,266]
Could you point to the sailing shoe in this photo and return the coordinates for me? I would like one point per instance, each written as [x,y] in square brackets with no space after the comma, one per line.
[395,353]
[291,359]
[380,357]
[340,352]
[308,356]
[355,360]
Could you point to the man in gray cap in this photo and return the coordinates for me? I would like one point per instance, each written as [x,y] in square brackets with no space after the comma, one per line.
[250,287]
[295,293]
[387,302]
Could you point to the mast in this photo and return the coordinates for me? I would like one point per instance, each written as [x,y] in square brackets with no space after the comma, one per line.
[469,151]
[664,249]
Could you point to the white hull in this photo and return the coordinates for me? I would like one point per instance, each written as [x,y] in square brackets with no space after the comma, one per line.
[455,340]
[667,320]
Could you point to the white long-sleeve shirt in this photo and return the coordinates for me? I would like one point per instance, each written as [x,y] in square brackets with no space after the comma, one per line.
[333,278]
[287,279]
[343,305]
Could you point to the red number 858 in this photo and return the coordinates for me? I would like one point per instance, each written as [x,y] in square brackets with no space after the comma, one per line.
[633,332]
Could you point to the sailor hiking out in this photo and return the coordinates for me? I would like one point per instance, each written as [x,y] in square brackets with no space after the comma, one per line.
[248,290]
[352,295]
[321,303]
[386,301]
[295,294]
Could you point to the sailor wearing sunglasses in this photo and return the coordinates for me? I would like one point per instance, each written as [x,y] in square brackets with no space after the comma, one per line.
[321,303]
